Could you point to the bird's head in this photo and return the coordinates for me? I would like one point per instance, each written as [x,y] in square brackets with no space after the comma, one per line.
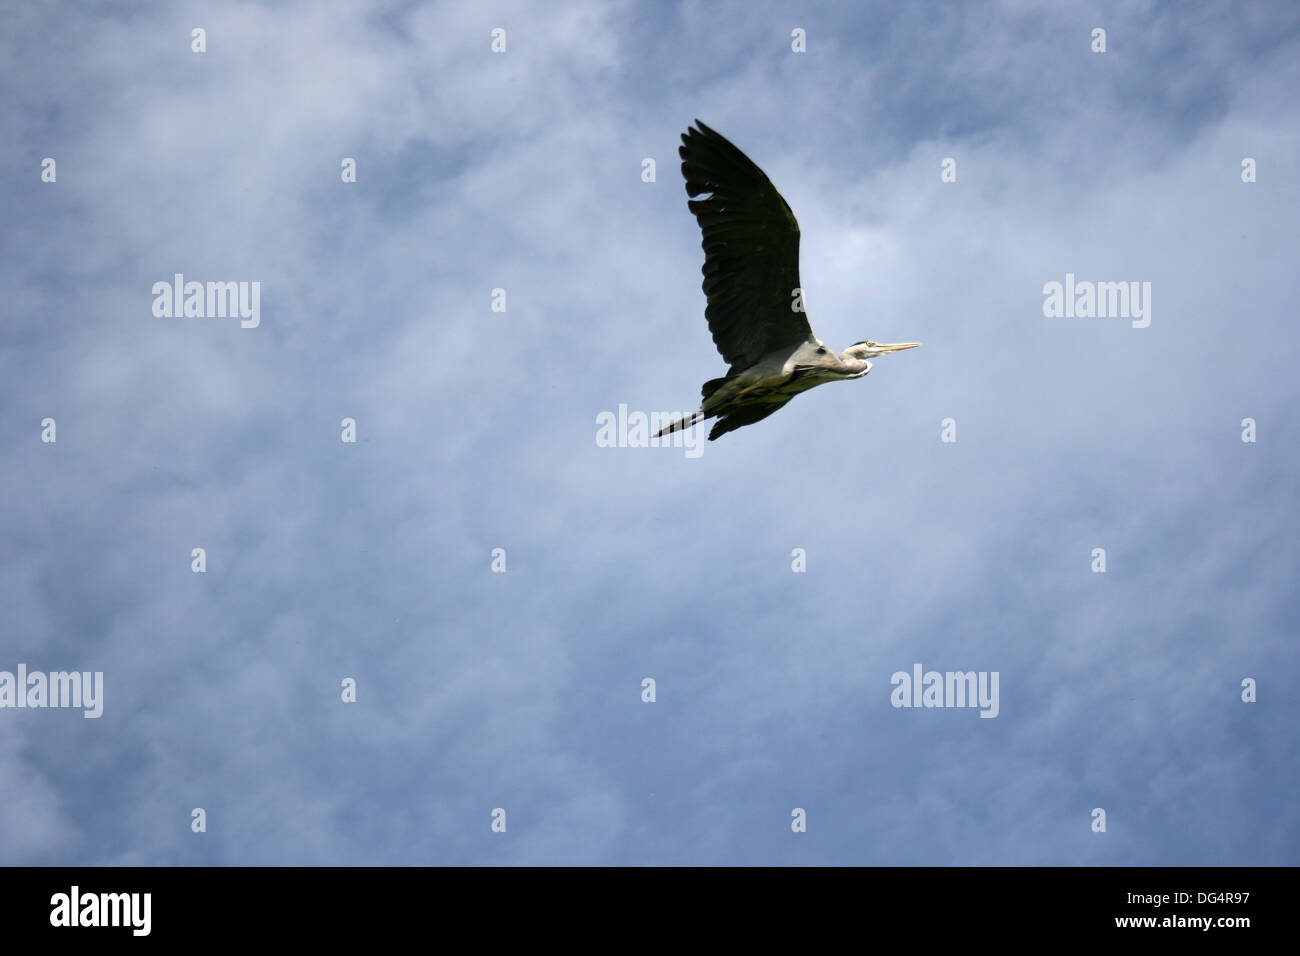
[869,350]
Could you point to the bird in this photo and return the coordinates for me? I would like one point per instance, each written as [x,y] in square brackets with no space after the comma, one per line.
[755,301]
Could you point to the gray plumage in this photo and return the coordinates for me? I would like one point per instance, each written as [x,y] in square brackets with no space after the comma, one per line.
[751,281]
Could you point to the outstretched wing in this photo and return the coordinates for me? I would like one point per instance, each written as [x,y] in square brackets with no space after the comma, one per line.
[751,250]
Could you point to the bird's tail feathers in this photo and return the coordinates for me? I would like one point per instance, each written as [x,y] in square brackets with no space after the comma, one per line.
[684,422]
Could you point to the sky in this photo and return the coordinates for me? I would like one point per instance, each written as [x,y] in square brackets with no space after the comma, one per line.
[435,620]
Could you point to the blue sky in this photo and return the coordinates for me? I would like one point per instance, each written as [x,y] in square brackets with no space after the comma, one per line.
[476,430]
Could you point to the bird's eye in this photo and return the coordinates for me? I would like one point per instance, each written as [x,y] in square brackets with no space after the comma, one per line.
[821,351]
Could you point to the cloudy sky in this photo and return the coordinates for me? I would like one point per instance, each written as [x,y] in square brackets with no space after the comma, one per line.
[770,583]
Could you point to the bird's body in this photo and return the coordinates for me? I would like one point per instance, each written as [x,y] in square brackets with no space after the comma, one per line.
[751,280]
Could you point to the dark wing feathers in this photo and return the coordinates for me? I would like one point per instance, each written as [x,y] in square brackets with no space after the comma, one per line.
[751,250]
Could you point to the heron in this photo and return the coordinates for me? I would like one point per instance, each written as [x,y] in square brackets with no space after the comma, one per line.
[755,302]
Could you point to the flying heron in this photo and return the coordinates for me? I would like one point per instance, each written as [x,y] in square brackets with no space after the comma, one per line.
[751,280]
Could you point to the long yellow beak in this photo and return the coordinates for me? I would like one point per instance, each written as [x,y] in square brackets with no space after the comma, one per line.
[900,346]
